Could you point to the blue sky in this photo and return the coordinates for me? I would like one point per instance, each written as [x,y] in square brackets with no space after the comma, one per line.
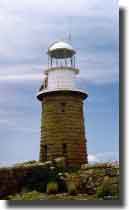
[28,27]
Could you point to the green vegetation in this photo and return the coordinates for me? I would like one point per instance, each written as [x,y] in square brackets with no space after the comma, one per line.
[107,189]
[37,179]
[72,190]
[26,196]
[42,196]
[52,188]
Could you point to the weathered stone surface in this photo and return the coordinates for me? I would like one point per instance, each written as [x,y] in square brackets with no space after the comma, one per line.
[62,128]
[86,181]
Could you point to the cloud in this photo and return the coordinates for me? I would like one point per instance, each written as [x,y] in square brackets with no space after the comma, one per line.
[28,27]
[64,7]
[92,158]
[23,77]
[104,157]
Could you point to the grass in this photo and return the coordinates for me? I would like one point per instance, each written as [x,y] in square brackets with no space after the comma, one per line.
[34,195]
[52,188]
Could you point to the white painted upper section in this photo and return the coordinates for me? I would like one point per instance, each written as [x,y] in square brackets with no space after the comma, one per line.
[60,45]
[61,79]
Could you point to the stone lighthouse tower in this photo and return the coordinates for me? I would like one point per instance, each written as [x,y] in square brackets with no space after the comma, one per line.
[62,118]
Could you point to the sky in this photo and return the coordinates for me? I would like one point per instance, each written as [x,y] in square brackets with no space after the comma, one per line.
[27,28]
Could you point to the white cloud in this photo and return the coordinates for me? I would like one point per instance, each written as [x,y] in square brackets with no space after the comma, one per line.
[108,156]
[92,158]
[29,26]
[60,7]
[103,157]
[22,77]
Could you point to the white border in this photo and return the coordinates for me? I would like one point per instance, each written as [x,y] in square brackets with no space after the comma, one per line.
[125,5]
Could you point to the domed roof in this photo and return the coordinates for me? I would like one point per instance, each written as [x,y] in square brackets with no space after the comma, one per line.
[61,49]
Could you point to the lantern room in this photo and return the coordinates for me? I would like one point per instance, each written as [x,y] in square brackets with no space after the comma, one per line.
[61,54]
[61,72]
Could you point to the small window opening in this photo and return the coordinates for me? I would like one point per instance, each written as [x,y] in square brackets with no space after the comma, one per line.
[63,106]
[45,151]
[64,147]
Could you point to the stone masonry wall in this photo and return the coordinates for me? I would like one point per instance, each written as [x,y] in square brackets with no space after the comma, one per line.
[12,178]
[62,128]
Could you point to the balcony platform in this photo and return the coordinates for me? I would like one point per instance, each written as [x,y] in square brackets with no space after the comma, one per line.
[45,92]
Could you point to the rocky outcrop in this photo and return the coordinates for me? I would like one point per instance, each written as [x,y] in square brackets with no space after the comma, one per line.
[88,179]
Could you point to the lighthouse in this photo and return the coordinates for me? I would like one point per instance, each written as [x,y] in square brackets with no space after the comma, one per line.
[62,118]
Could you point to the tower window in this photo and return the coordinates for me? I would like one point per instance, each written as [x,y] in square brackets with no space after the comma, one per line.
[64,148]
[45,151]
[63,106]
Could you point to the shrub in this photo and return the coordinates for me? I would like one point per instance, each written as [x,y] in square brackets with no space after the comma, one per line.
[107,189]
[52,187]
[37,179]
[104,189]
[61,183]
[115,190]
[71,187]
[73,169]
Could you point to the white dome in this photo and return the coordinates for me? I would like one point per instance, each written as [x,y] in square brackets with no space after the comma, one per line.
[60,45]
[61,49]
